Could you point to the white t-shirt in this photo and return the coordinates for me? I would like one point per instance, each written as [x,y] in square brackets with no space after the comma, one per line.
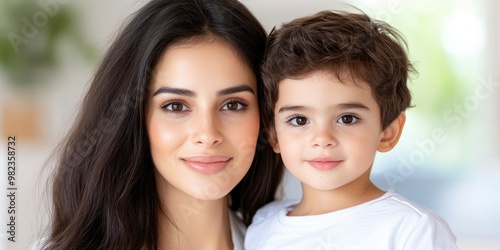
[237,233]
[388,222]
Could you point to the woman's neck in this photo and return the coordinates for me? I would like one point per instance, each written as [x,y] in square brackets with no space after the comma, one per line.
[189,223]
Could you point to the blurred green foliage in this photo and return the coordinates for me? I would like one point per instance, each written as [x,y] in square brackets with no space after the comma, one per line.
[437,84]
[31,35]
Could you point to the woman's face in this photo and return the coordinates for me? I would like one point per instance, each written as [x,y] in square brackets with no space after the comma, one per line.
[202,119]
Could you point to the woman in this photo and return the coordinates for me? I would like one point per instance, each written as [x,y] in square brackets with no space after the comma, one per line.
[165,150]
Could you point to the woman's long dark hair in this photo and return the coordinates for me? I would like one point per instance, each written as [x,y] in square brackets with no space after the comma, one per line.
[104,190]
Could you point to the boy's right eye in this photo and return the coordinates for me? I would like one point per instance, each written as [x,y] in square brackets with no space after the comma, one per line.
[298,121]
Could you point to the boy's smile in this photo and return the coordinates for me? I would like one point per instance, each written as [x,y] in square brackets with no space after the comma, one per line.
[327,131]
[324,163]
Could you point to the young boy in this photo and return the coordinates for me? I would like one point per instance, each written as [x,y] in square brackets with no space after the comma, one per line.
[336,86]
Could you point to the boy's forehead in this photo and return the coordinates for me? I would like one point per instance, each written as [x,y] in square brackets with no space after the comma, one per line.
[343,77]
[323,92]
[323,86]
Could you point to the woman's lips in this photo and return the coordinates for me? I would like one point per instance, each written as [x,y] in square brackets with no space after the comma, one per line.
[207,164]
[324,163]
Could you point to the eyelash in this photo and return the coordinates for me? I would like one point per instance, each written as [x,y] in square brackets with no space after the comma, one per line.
[242,106]
[165,106]
[238,101]
[355,118]
[294,118]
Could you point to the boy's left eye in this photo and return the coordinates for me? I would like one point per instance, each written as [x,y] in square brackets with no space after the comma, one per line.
[347,119]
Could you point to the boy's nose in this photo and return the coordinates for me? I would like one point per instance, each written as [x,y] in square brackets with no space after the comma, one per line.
[323,139]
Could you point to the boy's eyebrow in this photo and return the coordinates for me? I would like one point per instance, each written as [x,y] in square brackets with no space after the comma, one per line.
[291,108]
[350,105]
[353,105]
[189,93]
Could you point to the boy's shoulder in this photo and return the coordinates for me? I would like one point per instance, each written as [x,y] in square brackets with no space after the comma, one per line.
[273,208]
[422,223]
[399,203]
[408,212]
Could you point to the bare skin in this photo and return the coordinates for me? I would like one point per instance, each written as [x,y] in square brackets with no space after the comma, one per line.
[211,230]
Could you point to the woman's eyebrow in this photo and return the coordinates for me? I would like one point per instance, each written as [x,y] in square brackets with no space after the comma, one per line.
[189,93]
[176,91]
[236,89]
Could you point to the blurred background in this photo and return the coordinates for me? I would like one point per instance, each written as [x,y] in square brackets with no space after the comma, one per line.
[448,158]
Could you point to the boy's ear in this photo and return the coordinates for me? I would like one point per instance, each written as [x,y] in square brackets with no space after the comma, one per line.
[273,140]
[391,134]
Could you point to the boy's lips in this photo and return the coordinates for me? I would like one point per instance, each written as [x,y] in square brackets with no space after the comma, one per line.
[324,163]
[207,164]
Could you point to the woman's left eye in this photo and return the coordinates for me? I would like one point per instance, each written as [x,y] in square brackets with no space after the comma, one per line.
[175,107]
[348,119]
[234,106]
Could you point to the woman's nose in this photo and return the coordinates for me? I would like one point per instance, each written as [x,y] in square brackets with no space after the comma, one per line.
[207,131]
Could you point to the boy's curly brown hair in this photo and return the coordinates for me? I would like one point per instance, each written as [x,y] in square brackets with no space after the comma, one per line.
[344,44]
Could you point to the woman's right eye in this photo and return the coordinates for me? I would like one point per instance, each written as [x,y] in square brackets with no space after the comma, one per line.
[174,107]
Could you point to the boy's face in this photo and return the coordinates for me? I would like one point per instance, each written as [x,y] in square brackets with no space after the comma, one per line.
[327,132]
